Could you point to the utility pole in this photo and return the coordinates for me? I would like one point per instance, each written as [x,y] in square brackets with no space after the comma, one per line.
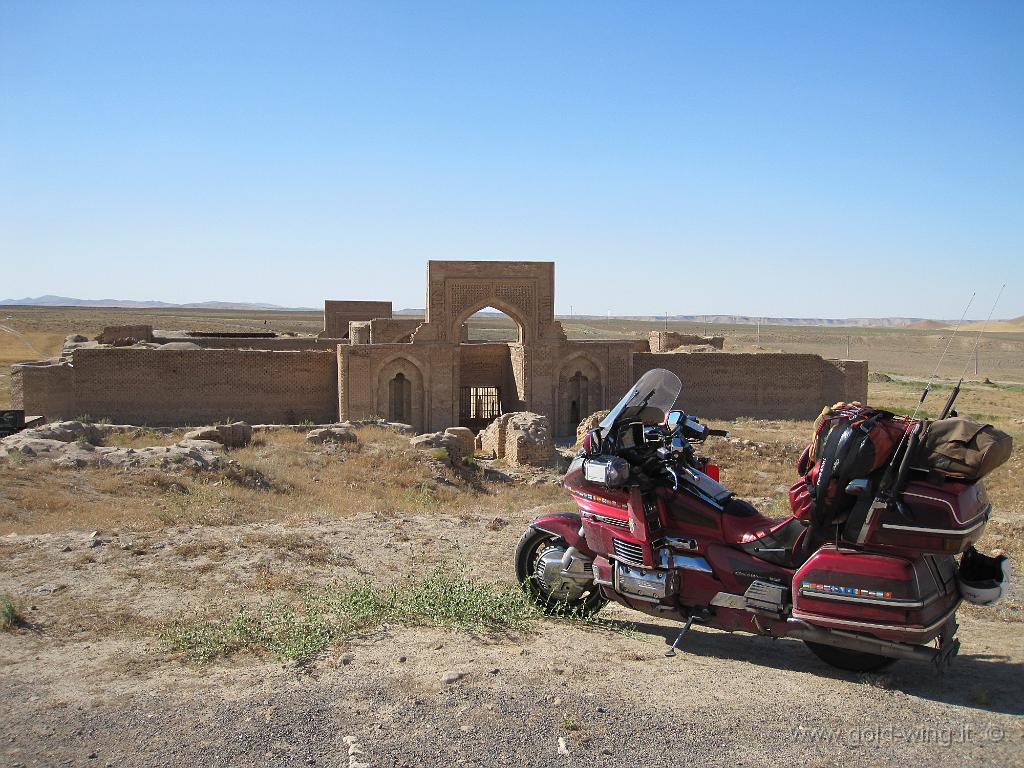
[666,320]
[848,347]
[976,350]
[759,331]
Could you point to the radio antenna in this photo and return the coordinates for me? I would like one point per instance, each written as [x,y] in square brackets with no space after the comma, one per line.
[977,340]
[928,387]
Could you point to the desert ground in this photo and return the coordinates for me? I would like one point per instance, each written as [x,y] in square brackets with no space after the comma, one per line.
[355,605]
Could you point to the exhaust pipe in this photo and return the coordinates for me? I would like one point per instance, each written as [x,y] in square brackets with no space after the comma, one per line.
[801,630]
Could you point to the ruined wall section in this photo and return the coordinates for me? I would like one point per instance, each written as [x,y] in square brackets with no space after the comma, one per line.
[395,330]
[338,314]
[199,386]
[767,386]
[44,389]
[666,341]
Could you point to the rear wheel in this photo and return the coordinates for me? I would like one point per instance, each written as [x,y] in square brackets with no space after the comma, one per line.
[851,661]
[539,570]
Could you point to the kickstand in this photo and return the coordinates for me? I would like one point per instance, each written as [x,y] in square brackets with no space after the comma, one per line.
[678,641]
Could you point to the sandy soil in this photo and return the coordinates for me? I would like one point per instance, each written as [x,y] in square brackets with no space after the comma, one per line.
[89,682]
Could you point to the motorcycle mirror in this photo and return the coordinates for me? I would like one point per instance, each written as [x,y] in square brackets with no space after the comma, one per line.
[674,417]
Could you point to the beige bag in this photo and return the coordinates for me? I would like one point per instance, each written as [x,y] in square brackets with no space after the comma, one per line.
[962,448]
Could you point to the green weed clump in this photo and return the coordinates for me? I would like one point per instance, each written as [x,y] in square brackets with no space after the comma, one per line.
[299,630]
[10,613]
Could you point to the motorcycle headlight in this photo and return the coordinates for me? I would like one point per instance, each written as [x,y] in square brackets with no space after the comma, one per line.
[608,471]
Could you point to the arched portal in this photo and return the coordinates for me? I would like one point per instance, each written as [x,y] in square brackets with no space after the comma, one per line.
[400,392]
[579,393]
[579,397]
[400,399]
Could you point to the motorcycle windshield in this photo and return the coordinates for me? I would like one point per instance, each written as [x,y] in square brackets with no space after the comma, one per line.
[657,389]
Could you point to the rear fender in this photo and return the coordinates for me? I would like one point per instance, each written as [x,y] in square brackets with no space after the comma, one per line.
[565,525]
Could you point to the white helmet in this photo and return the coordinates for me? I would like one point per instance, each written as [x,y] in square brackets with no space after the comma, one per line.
[983,579]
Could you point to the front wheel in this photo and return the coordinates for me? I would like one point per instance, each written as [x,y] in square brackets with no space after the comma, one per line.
[851,661]
[539,570]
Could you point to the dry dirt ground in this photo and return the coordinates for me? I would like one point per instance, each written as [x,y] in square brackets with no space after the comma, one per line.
[103,565]
[104,568]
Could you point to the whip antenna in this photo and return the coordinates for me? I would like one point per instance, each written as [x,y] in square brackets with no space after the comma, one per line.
[977,340]
[928,386]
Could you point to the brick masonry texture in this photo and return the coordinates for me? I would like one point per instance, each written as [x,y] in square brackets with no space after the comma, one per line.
[334,378]
[200,386]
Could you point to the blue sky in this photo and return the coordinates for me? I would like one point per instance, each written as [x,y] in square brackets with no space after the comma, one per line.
[800,159]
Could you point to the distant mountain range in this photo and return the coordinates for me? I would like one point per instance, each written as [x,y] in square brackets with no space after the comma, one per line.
[851,322]
[67,301]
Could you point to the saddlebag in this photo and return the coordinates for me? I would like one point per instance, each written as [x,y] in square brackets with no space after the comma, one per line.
[894,598]
[961,448]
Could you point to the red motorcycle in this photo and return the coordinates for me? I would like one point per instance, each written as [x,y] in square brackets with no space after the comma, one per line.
[655,531]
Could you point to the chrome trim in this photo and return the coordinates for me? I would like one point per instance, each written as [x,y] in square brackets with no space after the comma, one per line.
[869,600]
[665,559]
[952,509]
[875,505]
[816,621]
[939,531]
[729,600]
[627,551]
[607,520]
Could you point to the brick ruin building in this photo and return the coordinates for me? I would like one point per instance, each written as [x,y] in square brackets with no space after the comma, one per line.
[421,371]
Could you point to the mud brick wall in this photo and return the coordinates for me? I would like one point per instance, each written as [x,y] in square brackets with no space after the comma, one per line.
[283,343]
[338,314]
[200,386]
[849,377]
[767,386]
[666,341]
[114,333]
[393,330]
[44,389]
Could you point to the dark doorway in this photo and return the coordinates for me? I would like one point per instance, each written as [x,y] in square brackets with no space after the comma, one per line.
[400,399]
[478,406]
[579,398]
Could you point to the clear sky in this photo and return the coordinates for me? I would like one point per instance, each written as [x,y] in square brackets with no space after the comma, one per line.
[797,159]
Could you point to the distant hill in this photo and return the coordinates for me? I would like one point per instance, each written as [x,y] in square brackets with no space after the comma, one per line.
[68,301]
[853,322]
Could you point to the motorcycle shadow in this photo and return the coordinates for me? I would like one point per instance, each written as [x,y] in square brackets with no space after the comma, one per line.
[988,682]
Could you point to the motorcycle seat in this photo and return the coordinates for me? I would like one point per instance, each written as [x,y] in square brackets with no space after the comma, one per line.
[741,522]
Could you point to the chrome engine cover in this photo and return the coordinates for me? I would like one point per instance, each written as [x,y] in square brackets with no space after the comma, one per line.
[651,584]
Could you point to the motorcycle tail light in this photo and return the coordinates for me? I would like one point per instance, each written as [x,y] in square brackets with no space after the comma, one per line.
[709,469]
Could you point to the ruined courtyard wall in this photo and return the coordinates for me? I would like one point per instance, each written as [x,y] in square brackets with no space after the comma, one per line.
[44,389]
[394,330]
[338,314]
[666,341]
[200,386]
[780,386]
[283,344]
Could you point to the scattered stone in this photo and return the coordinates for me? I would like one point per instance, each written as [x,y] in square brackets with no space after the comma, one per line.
[497,524]
[331,435]
[235,435]
[453,677]
[563,746]
[49,589]
[520,438]
[465,438]
[455,445]
[589,423]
